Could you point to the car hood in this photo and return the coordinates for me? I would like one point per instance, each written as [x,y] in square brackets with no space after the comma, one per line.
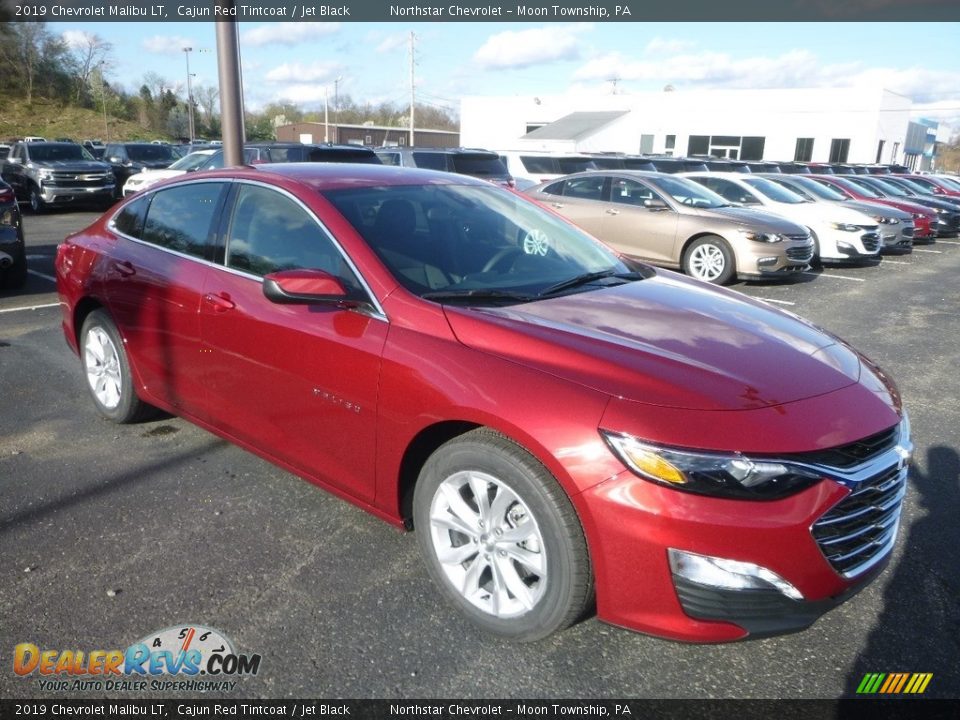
[73,165]
[152,176]
[666,341]
[878,207]
[754,218]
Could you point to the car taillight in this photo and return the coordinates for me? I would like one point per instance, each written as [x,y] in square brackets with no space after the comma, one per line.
[6,195]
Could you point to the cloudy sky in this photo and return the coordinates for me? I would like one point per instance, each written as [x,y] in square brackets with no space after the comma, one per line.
[298,62]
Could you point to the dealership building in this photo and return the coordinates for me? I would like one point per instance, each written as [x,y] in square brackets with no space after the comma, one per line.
[856,125]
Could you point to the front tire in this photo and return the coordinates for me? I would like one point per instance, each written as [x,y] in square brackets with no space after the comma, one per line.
[37,203]
[500,538]
[107,371]
[710,259]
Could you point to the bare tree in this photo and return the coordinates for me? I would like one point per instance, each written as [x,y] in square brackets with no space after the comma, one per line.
[206,97]
[89,52]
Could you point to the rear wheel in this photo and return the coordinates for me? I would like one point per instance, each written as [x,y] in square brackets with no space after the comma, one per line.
[500,538]
[710,259]
[107,370]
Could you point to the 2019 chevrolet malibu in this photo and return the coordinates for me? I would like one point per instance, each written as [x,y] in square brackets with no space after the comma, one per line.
[556,422]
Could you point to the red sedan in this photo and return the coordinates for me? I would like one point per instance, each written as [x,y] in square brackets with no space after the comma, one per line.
[557,423]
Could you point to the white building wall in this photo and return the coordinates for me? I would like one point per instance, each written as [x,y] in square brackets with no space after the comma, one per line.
[862,115]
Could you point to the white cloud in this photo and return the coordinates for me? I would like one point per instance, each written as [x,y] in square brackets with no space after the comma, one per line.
[166,44]
[77,38]
[537,46]
[392,42]
[288,33]
[664,46]
[323,72]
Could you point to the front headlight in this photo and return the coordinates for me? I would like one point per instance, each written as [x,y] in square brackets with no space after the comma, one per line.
[45,173]
[886,220]
[760,237]
[846,227]
[730,475]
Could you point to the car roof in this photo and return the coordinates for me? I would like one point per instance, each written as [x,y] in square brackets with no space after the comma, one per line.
[329,176]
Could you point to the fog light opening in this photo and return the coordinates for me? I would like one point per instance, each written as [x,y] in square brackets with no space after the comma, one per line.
[727,574]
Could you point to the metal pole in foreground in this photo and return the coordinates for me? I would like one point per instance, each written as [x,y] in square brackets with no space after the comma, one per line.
[231,86]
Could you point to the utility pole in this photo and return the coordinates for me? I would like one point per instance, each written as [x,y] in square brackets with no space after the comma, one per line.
[186,54]
[103,100]
[336,104]
[412,95]
[231,85]
[326,116]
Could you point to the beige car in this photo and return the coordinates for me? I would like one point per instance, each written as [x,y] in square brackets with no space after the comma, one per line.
[670,221]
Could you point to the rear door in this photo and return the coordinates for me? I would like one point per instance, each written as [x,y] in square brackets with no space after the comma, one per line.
[582,201]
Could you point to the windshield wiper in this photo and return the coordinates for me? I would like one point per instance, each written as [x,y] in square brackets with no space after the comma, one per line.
[478,294]
[588,278]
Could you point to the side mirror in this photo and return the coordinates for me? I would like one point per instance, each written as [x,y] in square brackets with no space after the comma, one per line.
[306,287]
[15,160]
[655,204]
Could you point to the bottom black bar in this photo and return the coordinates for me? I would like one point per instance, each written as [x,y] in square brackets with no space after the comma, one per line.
[872,709]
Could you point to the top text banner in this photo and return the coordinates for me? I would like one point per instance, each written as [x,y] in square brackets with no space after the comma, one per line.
[556,11]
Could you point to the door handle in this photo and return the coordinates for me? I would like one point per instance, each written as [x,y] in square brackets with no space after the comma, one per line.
[219,302]
[556,205]
[611,211]
[124,268]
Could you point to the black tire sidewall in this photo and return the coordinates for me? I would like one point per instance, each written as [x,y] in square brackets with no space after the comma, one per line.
[730,264]
[529,481]
[129,406]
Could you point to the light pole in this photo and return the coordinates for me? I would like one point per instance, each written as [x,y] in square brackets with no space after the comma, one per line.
[336,104]
[186,54]
[103,100]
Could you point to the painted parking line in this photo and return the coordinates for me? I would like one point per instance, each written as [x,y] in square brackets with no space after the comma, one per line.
[31,307]
[838,277]
[947,242]
[39,257]
[932,252]
[895,262]
[778,302]
[41,275]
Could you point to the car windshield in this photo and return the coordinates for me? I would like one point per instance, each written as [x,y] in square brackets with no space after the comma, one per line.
[150,153]
[479,165]
[687,192]
[910,185]
[887,188]
[65,151]
[191,161]
[861,188]
[949,183]
[807,187]
[774,192]
[478,243]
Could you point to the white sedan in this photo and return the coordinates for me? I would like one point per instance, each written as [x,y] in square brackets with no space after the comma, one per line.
[197,160]
[840,233]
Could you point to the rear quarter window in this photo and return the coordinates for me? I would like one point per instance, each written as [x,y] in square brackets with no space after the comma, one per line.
[129,221]
[181,218]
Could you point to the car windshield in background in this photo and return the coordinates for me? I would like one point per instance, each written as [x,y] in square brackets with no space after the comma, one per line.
[570,165]
[191,161]
[480,243]
[687,192]
[65,151]
[478,165]
[540,165]
[773,191]
[150,153]
[813,189]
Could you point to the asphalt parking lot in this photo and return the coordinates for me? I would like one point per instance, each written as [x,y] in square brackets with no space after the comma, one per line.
[112,533]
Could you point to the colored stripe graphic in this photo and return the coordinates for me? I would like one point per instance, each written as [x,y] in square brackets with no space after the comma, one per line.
[894,683]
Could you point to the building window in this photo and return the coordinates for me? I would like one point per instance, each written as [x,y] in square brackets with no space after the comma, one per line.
[671,142]
[402,140]
[698,145]
[534,126]
[839,149]
[751,148]
[646,143]
[880,150]
[804,150]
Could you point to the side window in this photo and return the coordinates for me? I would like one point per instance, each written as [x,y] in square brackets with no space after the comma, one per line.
[216,161]
[181,218]
[585,188]
[430,160]
[554,188]
[727,190]
[630,192]
[389,158]
[129,221]
[270,232]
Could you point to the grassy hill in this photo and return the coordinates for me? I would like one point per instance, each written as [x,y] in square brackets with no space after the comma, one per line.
[51,120]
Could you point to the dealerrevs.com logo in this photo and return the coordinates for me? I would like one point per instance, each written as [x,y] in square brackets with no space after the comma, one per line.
[190,658]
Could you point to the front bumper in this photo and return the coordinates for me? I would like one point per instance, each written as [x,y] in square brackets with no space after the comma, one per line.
[769,261]
[897,238]
[58,195]
[826,542]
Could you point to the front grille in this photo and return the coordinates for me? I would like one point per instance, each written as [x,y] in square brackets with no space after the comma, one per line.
[852,454]
[871,241]
[797,237]
[69,179]
[907,231]
[860,530]
[804,254]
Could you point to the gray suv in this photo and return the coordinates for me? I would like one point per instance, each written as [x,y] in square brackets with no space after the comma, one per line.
[57,173]
[483,164]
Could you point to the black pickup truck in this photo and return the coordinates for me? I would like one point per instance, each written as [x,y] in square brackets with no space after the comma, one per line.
[57,173]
